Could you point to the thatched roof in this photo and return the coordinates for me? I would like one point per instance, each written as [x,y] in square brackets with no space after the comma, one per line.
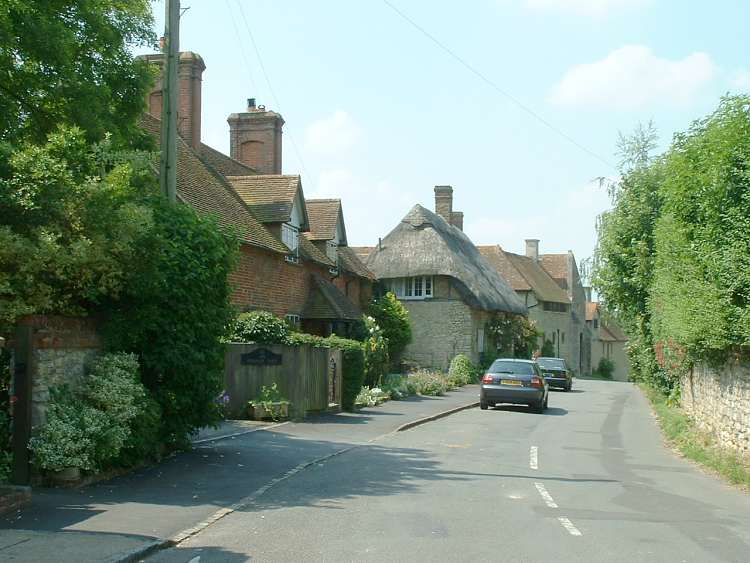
[424,244]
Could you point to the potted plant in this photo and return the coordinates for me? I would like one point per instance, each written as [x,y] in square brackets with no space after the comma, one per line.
[270,405]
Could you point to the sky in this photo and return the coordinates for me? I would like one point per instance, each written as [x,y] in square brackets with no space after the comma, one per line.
[517,104]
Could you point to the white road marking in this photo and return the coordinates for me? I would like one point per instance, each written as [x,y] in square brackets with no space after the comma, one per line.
[545,495]
[568,525]
[534,457]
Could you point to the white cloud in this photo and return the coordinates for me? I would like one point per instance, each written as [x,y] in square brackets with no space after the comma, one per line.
[567,225]
[332,134]
[372,207]
[631,77]
[589,8]
[740,80]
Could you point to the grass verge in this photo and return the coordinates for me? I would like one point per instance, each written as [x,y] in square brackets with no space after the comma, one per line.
[681,432]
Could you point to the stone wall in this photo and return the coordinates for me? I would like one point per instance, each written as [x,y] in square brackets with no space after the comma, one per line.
[61,348]
[719,402]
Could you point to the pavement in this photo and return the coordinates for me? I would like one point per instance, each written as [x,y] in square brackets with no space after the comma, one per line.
[120,519]
[589,480]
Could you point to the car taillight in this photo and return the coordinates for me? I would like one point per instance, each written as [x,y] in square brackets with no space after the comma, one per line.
[487,378]
[536,382]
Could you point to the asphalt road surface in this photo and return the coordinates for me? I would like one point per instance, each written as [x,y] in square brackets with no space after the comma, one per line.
[589,480]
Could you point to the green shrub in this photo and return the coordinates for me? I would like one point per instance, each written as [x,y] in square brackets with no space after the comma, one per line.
[395,387]
[89,428]
[426,382]
[174,314]
[605,368]
[548,349]
[144,442]
[462,371]
[368,397]
[375,347]
[393,318]
[260,327]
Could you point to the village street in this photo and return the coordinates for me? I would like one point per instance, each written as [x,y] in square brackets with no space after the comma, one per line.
[588,481]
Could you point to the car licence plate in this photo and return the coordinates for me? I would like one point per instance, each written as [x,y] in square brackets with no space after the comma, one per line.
[511,382]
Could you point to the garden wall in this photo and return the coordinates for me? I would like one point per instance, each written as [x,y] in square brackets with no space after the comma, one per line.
[59,349]
[719,403]
[309,377]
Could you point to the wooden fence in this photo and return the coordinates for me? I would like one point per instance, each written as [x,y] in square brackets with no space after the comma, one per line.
[309,377]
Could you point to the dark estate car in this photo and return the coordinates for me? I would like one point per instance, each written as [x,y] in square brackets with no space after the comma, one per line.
[514,381]
[556,373]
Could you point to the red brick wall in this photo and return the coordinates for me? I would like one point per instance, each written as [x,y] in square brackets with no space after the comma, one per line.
[255,140]
[264,280]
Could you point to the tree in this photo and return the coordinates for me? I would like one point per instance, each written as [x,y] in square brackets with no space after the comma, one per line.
[68,62]
[393,319]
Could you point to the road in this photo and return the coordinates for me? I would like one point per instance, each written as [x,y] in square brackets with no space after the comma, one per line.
[590,480]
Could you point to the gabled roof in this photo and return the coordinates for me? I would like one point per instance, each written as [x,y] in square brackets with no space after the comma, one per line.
[309,251]
[556,266]
[362,252]
[222,163]
[424,244]
[207,191]
[271,196]
[524,274]
[351,263]
[327,302]
[324,216]
[615,331]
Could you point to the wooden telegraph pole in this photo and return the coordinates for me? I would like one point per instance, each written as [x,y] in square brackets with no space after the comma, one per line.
[168,164]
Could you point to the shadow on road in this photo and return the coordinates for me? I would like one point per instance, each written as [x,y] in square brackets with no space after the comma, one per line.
[550,411]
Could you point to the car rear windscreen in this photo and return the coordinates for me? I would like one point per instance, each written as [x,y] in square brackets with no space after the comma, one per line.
[517,368]
[551,363]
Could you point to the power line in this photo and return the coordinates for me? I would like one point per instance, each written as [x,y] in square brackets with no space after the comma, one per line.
[495,87]
[248,66]
[270,88]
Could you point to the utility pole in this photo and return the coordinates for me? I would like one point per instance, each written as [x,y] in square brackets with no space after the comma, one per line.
[168,164]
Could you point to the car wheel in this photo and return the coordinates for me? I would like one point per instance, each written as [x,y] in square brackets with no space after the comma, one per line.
[483,405]
[537,407]
[568,386]
[546,403]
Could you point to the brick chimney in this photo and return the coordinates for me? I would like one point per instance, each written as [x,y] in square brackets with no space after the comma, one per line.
[189,77]
[532,248]
[457,220]
[255,138]
[444,202]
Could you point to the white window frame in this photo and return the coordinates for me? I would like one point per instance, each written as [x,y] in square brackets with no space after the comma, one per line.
[290,236]
[413,288]
[293,319]
[332,251]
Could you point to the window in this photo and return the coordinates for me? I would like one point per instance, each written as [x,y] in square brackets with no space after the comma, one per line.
[596,323]
[290,236]
[562,338]
[332,251]
[480,340]
[293,320]
[419,287]
[556,307]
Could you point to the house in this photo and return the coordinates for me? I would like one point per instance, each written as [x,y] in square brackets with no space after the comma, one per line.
[279,270]
[607,341]
[449,289]
[562,268]
[547,303]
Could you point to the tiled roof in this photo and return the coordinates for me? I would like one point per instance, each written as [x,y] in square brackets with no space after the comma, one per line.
[207,191]
[327,302]
[591,310]
[324,215]
[556,266]
[309,251]
[614,332]
[362,252]
[502,263]
[222,163]
[524,274]
[269,196]
[352,263]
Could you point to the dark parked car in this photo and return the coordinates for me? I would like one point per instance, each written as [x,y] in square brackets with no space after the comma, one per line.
[556,373]
[514,381]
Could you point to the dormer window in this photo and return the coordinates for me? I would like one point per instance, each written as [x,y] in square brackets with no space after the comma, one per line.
[290,236]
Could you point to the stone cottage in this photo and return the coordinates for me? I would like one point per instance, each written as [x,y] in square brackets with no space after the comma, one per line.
[450,290]
[280,270]
[607,341]
[547,303]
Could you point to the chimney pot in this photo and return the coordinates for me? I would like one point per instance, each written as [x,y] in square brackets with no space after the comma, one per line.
[444,202]
[457,220]
[532,248]
[251,103]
